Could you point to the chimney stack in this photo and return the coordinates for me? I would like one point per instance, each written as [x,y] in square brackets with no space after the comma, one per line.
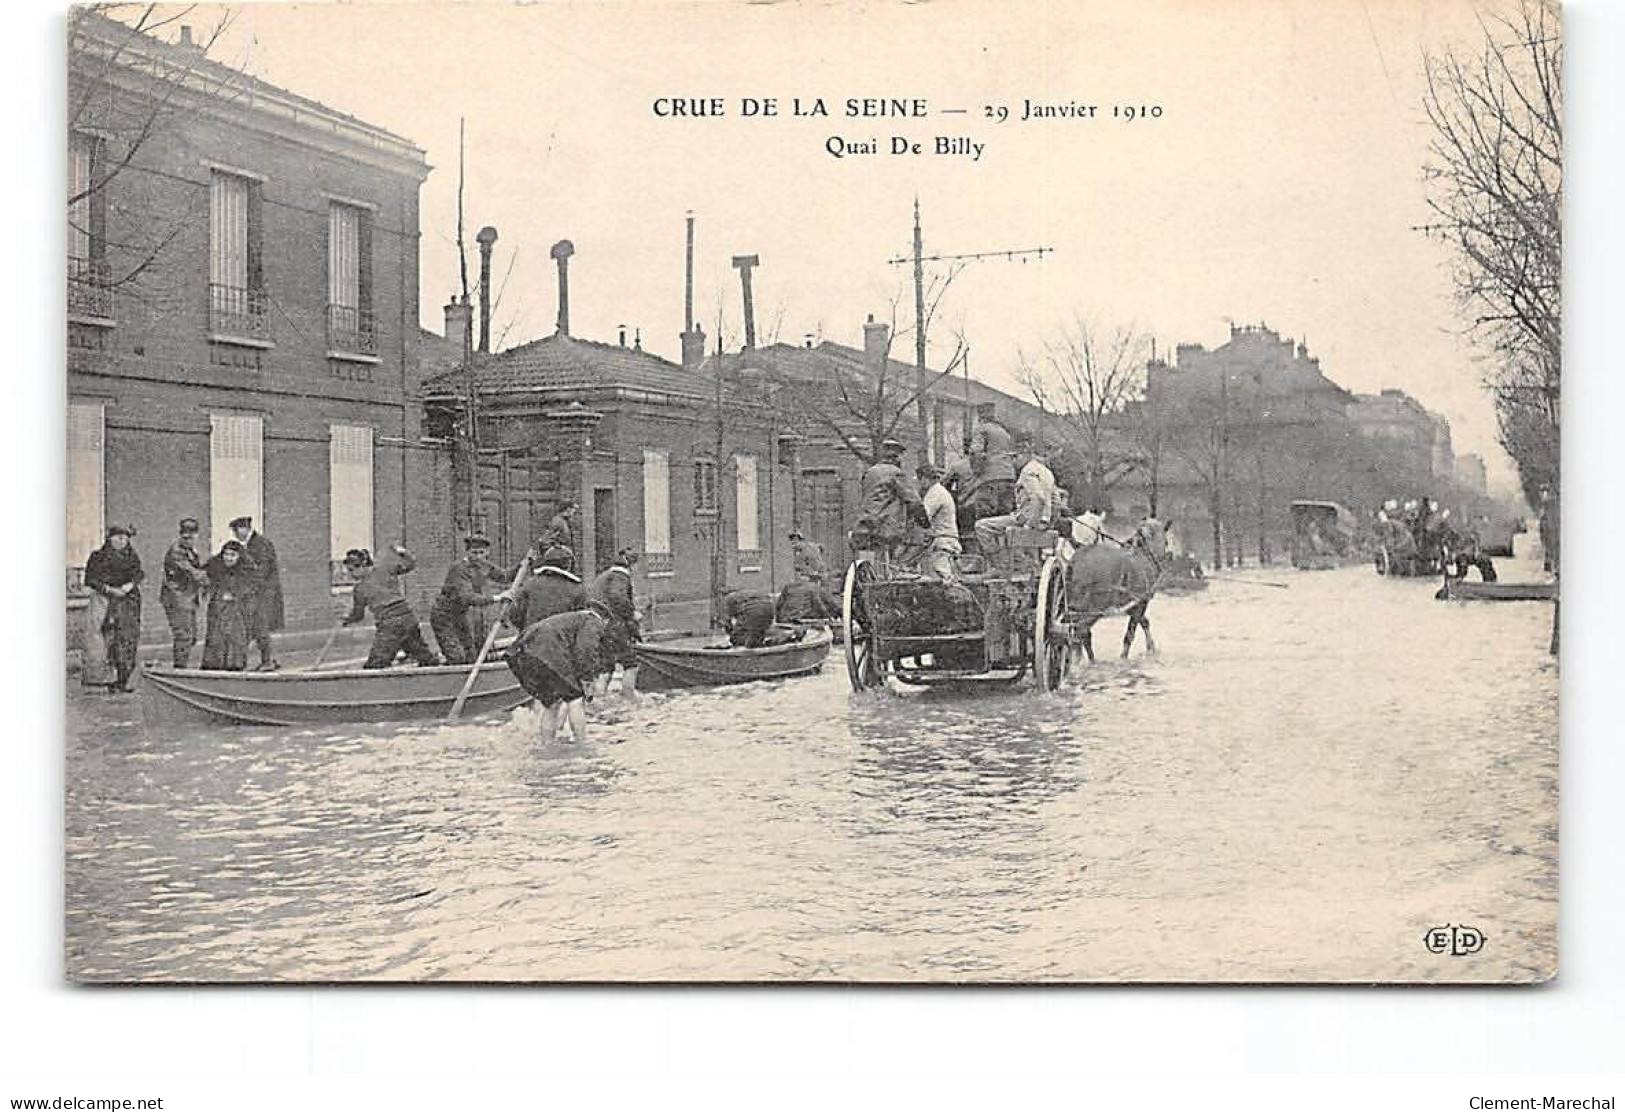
[561,252]
[745,264]
[458,319]
[876,339]
[693,339]
[485,237]
[622,327]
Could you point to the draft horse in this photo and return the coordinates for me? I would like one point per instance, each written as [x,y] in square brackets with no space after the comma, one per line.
[1118,577]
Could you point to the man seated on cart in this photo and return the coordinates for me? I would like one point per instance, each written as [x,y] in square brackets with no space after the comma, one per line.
[942,545]
[1035,509]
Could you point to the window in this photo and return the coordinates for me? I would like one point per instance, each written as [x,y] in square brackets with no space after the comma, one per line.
[349,281]
[235,474]
[349,459]
[90,298]
[705,486]
[746,532]
[86,509]
[236,295]
[657,513]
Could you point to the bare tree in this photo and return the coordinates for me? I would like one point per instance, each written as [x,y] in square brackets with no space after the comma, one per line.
[125,90]
[1088,376]
[868,406]
[1496,175]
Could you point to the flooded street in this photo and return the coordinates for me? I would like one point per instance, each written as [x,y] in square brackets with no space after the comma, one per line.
[1301,784]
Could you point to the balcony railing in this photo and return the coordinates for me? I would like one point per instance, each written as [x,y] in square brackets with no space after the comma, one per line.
[238,312]
[350,330]
[89,292]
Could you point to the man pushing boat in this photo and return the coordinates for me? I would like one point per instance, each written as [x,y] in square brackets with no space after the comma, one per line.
[378,588]
[556,660]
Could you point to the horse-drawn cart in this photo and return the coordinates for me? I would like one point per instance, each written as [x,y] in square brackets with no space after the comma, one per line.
[989,625]
[1030,611]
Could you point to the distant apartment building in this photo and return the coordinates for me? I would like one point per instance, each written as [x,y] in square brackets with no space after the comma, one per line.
[1414,438]
[1470,474]
[242,316]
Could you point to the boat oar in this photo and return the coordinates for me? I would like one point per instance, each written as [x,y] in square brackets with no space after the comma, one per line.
[1249,582]
[326,645]
[490,637]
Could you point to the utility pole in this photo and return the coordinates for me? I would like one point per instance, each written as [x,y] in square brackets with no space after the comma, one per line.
[472,416]
[918,259]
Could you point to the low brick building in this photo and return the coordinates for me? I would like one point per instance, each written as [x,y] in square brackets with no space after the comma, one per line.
[662,459]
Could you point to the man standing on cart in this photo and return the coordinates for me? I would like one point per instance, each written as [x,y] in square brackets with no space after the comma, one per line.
[890,502]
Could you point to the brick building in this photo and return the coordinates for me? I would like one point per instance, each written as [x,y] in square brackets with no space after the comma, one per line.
[242,317]
[660,458]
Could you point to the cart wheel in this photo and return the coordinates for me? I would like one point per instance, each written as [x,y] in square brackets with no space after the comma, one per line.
[1051,652]
[862,667]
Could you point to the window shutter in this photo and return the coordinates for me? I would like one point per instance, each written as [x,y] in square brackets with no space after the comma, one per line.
[350,488]
[254,219]
[98,200]
[235,473]
[86,489]
[656,502]
[746,531]
[364,262]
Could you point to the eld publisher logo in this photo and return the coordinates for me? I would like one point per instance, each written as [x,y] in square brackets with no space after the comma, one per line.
[1457,941]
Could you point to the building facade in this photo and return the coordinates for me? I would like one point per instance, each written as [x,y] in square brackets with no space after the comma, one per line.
[242,317]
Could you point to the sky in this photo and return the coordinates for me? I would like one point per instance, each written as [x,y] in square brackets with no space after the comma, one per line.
[1280,182]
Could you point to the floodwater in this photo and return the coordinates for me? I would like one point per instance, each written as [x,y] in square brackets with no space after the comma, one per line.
[1298,787]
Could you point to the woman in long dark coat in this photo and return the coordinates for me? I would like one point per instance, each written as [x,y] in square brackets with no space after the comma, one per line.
[114,572]
[232,578]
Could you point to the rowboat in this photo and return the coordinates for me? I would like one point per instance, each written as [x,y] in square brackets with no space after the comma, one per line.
[698,661]
[1460,589]
[191,695]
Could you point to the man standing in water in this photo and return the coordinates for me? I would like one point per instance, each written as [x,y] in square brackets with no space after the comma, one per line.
[612,590]
[556,660]
[265,611]
[449,616]
[183,580]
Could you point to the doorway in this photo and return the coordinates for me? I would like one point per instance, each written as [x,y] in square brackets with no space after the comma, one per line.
[604,545]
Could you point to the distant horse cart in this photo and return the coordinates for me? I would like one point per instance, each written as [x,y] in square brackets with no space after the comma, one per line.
[997,624]
[1323,535]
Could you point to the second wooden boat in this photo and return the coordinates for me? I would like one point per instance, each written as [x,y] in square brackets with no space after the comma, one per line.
[1475,591]
[698,661]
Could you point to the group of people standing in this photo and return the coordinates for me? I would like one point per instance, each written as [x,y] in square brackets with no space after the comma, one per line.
[239,588]
[933,516]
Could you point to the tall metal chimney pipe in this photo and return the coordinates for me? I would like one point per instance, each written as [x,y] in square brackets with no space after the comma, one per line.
[561,252]
[745,264]
[485,237]
[688,278]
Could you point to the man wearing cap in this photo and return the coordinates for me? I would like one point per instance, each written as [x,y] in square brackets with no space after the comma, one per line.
[560,530]
[613,591]
[378,588]
[992,461]
[466,587]
[114,573]
[1035,509]
[554,589]
[183,580]
[890,502]
[747,616]
[265,611]
[937,562]
[807,558]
